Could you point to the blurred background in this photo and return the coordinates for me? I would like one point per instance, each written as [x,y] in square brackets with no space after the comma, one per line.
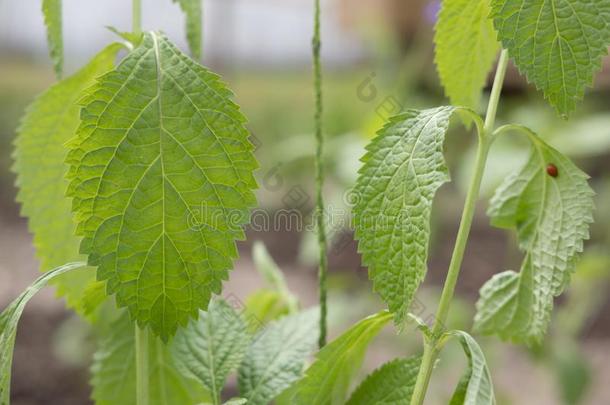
[378,60]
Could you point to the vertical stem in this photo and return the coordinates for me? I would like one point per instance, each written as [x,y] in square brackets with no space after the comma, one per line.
[136,16]
[319,167]
[431,345]
[142,372]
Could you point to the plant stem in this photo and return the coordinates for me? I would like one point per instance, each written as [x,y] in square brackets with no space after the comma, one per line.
[142,372]
[319,167]
[136,16]
[431,347]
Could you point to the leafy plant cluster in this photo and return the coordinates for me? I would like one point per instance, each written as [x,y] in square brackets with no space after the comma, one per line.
[130,149]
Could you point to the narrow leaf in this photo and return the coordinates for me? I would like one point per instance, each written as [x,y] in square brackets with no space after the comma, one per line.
[210,348]
[466,48]
[550,204]
[114,372]
[51,9]
[193,12]
[40,166]
[328,379]
[273,275]
[9,319]
[403,168]
[475,387]
[558,44]
[161,180]
[392,383]
[276,359]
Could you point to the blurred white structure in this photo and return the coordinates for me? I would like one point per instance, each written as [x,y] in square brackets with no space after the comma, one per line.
[242,32]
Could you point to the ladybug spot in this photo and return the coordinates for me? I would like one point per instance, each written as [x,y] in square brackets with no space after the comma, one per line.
[552,170]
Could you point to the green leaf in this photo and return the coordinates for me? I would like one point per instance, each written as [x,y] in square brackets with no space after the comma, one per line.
[161,180]
[264,306]
[236,401]
[51,9]
[273,275]
[476,386]
[277,356]
[552,217]
[466,48]
[114,372]
[403,168]
[193,11]
[558,44]
[392,383]
[39,157]
[328,379]
[9,319]
[211,347]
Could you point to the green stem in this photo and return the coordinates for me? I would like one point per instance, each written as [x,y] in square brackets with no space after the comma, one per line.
[431,347]
[136,16]
[319,167]
[142,372]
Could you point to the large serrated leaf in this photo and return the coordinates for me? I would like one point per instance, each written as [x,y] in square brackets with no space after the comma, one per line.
[51,10]
[476,386]
[193,12]
[210,348]
[114,371]
[403,168]
[40,166]
[466,48]
[276,358]
[328,379]
[9,319]
[392,383]
[161,181]
[558,44]
[552,217]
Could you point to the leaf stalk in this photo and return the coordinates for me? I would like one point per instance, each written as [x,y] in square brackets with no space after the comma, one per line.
[432,345]
[319,169]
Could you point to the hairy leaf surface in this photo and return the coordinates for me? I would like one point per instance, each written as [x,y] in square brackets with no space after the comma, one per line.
[402,170]
[208,349]
[476,386]
[552,217]
[277,356]
[114,372]
[9,319]
[51,9]
[193,12]
[328,379]
[392,383]
[466,48]
[558,44]
[161,180]
[40,155]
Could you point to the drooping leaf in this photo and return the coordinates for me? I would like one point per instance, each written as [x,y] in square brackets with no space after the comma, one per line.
[328,379]
[9,318]
[558,44]
[161,181]
[208,349]
[277,356]
[193,12]
[51,10]
[114,372]
[392,383]
[466,48]
[40,166]
[403,168]
[476,386]
[552,215]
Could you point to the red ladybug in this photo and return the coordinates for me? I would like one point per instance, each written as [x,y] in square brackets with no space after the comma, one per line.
[552,170]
